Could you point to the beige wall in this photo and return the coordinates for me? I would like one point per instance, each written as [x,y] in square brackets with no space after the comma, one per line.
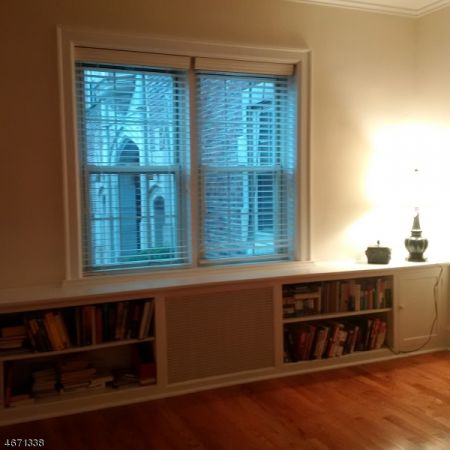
[362,79]
[433,74]
[433,110]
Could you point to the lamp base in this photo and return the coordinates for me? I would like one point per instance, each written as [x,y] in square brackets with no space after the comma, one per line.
[416,244]
[416,258]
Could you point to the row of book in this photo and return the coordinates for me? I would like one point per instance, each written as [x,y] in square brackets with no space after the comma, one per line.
[84,325]
[329,339]
[337,296]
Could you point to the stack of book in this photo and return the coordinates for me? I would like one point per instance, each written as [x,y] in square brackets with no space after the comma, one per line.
[79,375]
[125,378]
[75,375]
[301,300]
[101,380]
[12,337]
[45,383]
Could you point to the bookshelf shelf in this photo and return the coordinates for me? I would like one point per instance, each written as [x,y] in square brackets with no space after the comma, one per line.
[312,317]
[339,361]
[78,402]
[80,349]
[71,396]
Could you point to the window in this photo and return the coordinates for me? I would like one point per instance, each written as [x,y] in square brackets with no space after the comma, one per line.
[182,161]
[131,142]
[247,158]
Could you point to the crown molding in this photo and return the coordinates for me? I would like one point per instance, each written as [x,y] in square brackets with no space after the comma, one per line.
[408,8]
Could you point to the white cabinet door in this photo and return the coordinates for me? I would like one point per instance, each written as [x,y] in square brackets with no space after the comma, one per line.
[421,309]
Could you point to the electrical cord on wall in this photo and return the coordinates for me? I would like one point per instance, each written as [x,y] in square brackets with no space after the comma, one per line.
[436,316]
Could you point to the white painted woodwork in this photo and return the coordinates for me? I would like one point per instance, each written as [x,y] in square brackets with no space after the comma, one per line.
[225,327]
[414,8]
[420,303]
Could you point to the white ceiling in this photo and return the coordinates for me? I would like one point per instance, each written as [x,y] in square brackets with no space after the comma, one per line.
[400,7]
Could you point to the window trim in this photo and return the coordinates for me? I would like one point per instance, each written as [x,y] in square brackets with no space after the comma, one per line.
[69,39]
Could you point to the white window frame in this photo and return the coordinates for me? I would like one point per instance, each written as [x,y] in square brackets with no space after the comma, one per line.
[69,39]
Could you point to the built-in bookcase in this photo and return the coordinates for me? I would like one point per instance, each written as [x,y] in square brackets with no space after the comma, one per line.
[90,346]
[335,318]
[55,355]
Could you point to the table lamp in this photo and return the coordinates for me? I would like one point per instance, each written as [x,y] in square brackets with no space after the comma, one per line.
[416,244]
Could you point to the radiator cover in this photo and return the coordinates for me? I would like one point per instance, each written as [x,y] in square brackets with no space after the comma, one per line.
[219,332]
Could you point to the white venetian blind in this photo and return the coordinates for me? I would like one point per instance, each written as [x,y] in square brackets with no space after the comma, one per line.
[133,134]
[247,141]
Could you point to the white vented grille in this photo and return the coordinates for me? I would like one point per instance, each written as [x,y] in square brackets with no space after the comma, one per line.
[217,333]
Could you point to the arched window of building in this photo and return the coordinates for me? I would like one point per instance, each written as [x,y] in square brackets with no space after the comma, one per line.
[129,202]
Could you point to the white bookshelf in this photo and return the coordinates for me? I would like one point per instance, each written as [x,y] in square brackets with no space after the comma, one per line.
[220,327]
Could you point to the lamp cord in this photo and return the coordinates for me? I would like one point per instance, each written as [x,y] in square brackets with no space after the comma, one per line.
[436,316]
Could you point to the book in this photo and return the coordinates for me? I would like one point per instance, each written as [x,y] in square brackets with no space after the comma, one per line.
[147,316]
[87,324]
[120,313]
[98,324]
[45,382]
[290,352]
[341,340]
[355,294]
[135,317]
[53,332]
[11,343]
[144,363]
[13,331]
[93,325]
[301,336]
[352,330]
[149,321]
[73,364]
[373,333]
[320,341]
[333,338]
[62,330]
[124,378]
[39,338]
[344,297]
[310,338]
[381,336]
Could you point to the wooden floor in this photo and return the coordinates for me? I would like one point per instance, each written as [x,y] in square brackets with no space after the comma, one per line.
[400,404]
